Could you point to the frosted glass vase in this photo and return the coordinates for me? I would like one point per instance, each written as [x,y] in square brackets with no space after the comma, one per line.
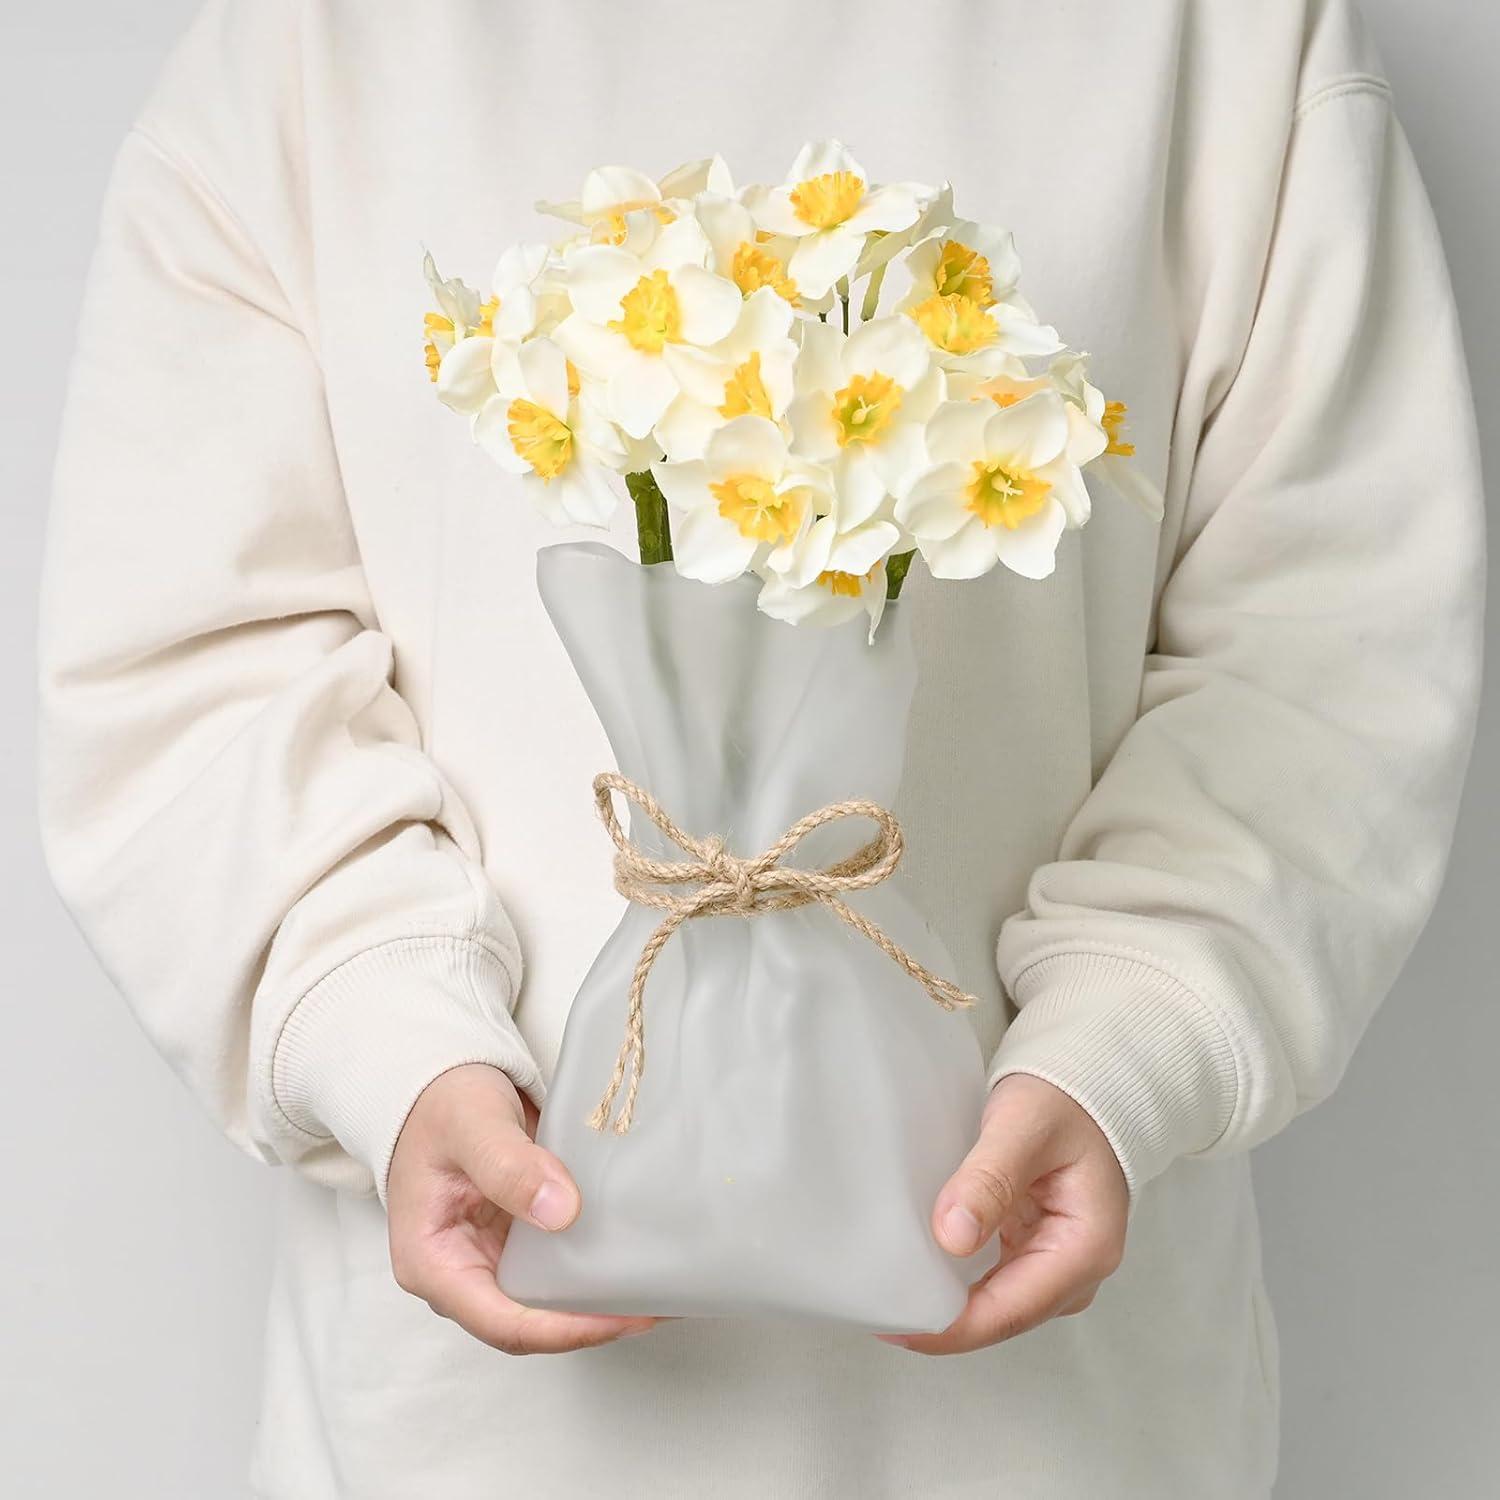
[804,1099]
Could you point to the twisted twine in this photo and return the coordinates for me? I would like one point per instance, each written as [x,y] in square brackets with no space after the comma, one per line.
[725,885]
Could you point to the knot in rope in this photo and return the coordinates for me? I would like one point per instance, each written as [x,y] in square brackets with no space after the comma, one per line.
[712,881]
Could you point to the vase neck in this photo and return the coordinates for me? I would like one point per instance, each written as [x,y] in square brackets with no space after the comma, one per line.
[738,724]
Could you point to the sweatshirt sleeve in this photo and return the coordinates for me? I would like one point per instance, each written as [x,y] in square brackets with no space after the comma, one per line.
[236,804]
[1249,873]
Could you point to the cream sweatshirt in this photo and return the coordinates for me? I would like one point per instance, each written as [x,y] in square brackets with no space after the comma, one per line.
[317,772]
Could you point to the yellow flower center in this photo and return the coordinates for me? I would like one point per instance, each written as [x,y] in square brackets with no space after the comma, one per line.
[751,504]
[436,327]
[865,408]
[827,201]
[487,311]
[651,317]
[1114,428]
[955,324]
[612,228]
[964,272]
[754,268]
[745,392]
[847,585]
[1002,496]
[574,381]
[540,437]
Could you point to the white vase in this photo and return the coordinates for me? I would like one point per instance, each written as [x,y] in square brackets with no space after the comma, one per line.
[803,1099]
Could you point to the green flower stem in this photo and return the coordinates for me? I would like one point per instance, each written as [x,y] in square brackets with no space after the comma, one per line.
[897,566]
[653,526]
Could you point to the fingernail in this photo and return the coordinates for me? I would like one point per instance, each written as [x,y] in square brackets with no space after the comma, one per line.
[960,1230]
[635,1333]
[552,1208]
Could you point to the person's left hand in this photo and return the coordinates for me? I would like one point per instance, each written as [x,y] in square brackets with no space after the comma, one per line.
[1045,1179]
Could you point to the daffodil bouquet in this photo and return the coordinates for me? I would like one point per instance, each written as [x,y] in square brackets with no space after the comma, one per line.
[803,388]
[809,383]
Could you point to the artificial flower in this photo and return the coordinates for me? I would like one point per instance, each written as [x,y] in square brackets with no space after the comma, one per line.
[611,194]
[829,574]
[633,309]
[538,427]
[1003,489]
[750,372]
[828,206]
[1088,409]
[745,499]
[862,405]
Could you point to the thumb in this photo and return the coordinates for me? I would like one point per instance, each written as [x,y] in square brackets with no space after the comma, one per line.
[499,1157]
[1014,1149]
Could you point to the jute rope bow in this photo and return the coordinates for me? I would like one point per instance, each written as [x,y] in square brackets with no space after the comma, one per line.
[725,885]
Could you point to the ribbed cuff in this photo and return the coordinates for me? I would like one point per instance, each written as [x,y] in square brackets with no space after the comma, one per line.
[1133,1046]
[367,1039]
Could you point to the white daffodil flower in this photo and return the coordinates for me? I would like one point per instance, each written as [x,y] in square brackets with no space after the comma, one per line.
[862,406]
[828,206]
[538,427]
[964,297]
[828,574]
[1003,489]
[463,383]
[751,372]
[742,502]
[1103,423]
[750,260]
[611,194]
[635,308]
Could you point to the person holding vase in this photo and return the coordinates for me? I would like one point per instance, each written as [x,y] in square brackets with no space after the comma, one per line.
[1177,794]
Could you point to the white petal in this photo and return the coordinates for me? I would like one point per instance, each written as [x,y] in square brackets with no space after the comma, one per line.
[598,352]
[519,266]
[934,509]
[544,370]
[810,555]
[707,547]
[1029,434]
[640,391]
[747,445]
[892,346]
[700,375]
[1031,549]
[886,209]
[728,225]
[606,189]
[859,550]
[820,158]
[823,257]
[901,456]
[598,276]
[491,433]
[709,304]
[773,212]
[517,316]
[680,243]
[820,366]
[765,318]
[686,427]
[465,381]
[956,432]
[968,553]
[860,486]
[586,494]
[814,435]
[1069,490]
[685,485]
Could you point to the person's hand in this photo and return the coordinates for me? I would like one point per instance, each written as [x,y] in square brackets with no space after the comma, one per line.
[1044,1178]
[465,1164]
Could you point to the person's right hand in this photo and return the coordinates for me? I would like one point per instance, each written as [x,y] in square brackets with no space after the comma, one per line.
[465,1164]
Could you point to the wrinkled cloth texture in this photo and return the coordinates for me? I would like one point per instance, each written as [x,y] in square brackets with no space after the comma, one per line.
[317,768]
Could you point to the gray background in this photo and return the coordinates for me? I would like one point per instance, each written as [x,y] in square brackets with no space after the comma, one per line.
[134,1243]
